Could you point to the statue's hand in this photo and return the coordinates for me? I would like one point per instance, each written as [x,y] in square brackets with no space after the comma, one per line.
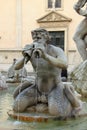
[40,53]
[27,51]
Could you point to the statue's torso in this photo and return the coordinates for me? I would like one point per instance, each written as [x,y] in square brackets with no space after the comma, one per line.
[47,75]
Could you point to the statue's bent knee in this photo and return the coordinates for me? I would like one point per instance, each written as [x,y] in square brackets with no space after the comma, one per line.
[53,107]
[25,99]
[20,104]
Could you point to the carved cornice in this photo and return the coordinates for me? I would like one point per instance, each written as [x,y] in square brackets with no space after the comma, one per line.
[53,24]
[54,17]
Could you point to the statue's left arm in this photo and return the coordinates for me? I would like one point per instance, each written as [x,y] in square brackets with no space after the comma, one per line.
[59,60]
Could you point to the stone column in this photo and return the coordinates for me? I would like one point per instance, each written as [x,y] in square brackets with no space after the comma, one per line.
[18,23]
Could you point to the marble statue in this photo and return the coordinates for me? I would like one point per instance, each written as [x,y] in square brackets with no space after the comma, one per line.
[48,89]
[79,73]
[79,78]
[80,36]
[14,76]
[3,84]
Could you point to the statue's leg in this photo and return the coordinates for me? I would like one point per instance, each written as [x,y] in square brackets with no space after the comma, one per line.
[69,92]
[25,99]
[21,87]
[79,35]
[58,104]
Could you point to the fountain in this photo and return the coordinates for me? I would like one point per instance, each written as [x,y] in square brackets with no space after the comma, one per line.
[39,111]
[46,97]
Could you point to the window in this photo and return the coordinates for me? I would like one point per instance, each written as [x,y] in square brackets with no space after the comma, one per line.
[57,38]
[54,4]
[49,3]
[57,3]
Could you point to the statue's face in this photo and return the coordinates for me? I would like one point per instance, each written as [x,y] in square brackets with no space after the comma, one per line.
[40,38]
[38,35]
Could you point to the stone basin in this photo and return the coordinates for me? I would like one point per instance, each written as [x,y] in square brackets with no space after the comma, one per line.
[39,117]
[31,117]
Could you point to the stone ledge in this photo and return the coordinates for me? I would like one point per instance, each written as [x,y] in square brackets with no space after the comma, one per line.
[9,50]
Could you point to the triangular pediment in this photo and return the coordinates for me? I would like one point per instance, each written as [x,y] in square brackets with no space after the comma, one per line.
[54,17]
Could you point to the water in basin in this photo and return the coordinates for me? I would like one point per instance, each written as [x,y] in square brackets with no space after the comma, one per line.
[6,100]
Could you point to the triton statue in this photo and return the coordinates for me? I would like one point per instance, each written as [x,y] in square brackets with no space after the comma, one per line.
[48,88]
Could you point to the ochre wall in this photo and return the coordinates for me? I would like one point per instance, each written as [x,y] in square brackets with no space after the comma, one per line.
[13,26]
[7,24]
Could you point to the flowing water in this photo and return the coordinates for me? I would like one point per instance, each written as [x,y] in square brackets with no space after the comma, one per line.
[6,101]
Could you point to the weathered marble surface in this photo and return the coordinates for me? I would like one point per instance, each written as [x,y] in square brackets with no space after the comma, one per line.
[79,78]
[14,76]
[80,36]
[3,84]
[48,89]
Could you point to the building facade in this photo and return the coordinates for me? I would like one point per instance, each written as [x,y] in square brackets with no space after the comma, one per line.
[19,17]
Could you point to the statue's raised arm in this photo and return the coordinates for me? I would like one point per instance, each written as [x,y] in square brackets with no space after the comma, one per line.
[58,59]
[27,53]
[78,7]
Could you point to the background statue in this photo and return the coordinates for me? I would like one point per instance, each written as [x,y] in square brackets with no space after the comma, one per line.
[14,76]
[48,89]
[80,36]
[3,84]
[79,73]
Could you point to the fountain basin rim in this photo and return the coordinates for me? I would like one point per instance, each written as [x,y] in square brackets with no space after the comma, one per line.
[38,117]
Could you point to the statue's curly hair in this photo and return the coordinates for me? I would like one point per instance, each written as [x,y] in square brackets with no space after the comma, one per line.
[42,33]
